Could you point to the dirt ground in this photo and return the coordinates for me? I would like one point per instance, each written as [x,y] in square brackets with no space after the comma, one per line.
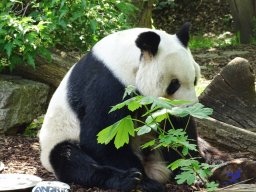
[21,154]
[214,59]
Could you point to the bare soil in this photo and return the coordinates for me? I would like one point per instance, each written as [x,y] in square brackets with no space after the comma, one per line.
[206,16]
[213,60]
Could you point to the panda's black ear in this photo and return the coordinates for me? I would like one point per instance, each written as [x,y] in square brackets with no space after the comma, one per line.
[148,42]
[183,34]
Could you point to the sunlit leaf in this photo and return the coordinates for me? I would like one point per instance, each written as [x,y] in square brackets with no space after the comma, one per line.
[124,130]
[121,130]
[8,47]
[148,144]
[188,177]
[212,186]
[129,90]
[143,130]
[31,60]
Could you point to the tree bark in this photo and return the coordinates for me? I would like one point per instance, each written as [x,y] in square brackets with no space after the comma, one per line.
[227,135]
[244,12]
[50,73]
[144,17]
[232,95]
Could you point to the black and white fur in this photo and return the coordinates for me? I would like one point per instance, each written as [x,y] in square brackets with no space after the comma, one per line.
[157,64]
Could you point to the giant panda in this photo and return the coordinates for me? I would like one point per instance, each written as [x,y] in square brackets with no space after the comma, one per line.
[157,64]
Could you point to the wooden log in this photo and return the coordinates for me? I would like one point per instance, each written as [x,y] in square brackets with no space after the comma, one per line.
[228,135]
[239,188]
[50,73]
[232,95]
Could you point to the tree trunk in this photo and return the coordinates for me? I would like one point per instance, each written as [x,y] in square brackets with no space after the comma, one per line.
[144,17]
[244,12]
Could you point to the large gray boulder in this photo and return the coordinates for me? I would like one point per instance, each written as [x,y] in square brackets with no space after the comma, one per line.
[21,101]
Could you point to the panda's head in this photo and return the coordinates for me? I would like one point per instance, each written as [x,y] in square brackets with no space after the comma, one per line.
[155,62]
[166,67]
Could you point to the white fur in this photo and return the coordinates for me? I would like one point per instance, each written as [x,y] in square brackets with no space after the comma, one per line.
[151,76]
[60,123]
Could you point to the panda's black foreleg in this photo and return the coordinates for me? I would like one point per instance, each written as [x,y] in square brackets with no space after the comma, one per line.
[72,165]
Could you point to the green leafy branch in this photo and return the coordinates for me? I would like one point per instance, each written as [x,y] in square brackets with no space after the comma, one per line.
[31,28]
[158,113]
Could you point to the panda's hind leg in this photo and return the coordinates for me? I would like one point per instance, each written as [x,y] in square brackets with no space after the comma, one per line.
[72,165]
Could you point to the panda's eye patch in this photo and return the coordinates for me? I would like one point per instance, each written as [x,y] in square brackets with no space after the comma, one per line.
[173,86]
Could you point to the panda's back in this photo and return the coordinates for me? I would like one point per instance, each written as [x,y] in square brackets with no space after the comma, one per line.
[60,122]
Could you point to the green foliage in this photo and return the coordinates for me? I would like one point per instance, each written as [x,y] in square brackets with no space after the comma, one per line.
[191,170]
[212,186]
[34,127]
[120,130]
[158,112]
[30,28]
[211,40]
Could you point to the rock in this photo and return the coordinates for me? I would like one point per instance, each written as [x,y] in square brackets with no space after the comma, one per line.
[21,101]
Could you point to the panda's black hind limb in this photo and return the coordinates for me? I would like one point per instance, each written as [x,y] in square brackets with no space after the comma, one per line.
[72,165]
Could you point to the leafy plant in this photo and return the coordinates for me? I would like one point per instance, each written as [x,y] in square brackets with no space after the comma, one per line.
[31,28]
[213,40]
[21,38]
[158,112]
[34,127]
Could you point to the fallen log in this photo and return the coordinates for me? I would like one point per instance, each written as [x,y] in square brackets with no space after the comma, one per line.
[51,72]
[227,135]
[232,95]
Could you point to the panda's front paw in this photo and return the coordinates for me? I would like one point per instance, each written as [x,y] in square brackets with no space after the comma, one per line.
[130,179]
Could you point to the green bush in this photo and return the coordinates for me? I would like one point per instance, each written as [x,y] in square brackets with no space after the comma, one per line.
[31,28]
